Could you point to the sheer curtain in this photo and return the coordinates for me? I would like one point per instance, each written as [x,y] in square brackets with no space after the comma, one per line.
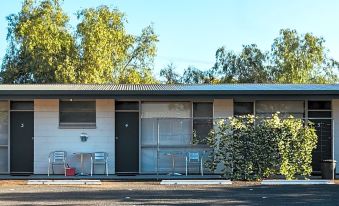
[169,126]
[286,108]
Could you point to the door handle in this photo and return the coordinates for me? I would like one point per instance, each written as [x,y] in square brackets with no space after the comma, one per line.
[32,138]
[117,138]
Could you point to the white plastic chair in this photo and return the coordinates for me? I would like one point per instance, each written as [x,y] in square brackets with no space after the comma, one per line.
[57,158]
[194,158]
[99,158]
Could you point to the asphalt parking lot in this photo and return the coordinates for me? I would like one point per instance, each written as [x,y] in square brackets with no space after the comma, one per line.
[151,193]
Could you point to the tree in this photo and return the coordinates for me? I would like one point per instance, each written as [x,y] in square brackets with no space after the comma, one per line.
[169,74]
[247,67]
[41,50]
[301,59]
[294,58]
[108,52]
[194,75]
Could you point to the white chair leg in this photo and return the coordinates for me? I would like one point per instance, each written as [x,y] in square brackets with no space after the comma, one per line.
[91,168]
[201,168]
[48,169]
[106,167]
[186,166]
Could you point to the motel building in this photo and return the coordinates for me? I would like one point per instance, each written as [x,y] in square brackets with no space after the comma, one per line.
[144,129]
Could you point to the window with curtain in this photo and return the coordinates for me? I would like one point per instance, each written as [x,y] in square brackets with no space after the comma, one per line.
[167,125]
[286,108]
[80,114]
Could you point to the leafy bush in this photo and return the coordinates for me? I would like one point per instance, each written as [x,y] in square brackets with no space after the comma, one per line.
[247,147]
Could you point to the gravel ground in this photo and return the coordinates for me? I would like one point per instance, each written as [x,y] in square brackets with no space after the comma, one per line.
[152,193]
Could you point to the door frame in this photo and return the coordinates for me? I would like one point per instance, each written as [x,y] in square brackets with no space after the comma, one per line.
[9,129]
[139,129]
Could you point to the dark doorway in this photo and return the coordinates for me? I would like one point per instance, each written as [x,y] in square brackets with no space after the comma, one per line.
[127,142]
[320,114]
[22,142]
[324,146]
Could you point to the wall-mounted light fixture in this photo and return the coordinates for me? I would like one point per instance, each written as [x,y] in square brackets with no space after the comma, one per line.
[83,137]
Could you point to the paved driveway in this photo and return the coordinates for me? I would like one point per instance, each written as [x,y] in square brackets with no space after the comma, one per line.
[151,193]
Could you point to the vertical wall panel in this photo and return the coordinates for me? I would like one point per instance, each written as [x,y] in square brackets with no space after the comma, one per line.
[335,116]
[223,108]
[3,136]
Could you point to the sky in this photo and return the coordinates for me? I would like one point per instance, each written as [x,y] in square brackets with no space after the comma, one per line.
[190,31]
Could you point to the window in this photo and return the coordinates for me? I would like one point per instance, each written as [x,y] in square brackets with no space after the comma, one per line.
[202,121]
[77,114]
[165,126]
[319,105]
[243,108]
[166,110]
[22,105]
[286,108]
[119,105]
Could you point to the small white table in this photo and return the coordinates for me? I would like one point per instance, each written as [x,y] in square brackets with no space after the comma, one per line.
[173,155]
[82,154]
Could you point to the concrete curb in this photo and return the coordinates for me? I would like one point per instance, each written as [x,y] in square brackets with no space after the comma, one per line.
[297,182]
[195,182]
[64,182]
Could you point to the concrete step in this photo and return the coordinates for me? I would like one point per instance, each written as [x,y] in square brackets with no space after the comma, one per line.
[195,182]
[297,182]
[64,182]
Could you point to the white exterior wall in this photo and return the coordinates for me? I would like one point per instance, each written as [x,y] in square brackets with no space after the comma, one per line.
[49,137]
[335,116]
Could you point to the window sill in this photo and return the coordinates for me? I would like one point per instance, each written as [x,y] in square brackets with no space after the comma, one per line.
[77,126]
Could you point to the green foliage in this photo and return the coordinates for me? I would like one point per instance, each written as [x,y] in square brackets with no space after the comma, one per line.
[295,148]
[169,74]
[301,59]
[42,49]
[247,67]
[108,53]
[194,75]
[191,75]
[251,148]
[293,59]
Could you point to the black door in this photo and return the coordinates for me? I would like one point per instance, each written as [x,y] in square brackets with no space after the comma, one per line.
[127,142]
[22,147]
[324,146]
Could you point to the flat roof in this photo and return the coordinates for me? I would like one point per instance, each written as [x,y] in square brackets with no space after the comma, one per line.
[167,89]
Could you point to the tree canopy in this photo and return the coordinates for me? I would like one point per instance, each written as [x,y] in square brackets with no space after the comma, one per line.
[43,49]
[294,58]
[302,59]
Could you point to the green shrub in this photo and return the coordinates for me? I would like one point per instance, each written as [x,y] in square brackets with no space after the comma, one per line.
[248,148]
